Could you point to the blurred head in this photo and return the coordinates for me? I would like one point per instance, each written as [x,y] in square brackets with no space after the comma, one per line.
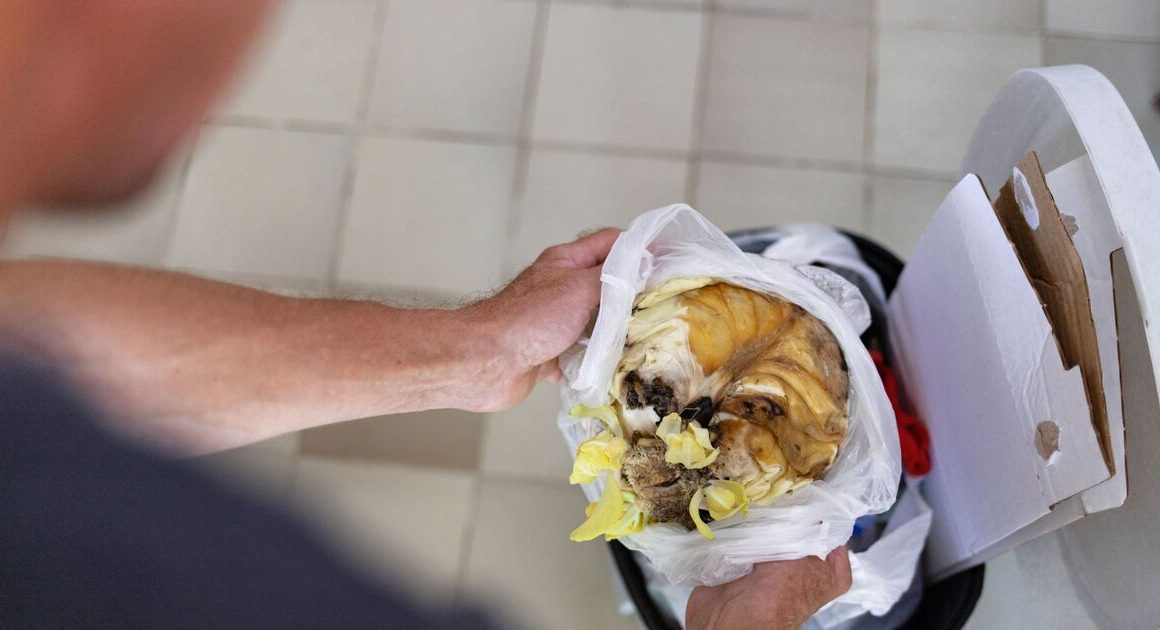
[95,94]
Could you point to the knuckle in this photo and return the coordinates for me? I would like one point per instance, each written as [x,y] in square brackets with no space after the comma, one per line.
[842,580]
[554,252]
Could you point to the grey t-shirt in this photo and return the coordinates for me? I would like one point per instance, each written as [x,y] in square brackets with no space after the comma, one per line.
[97,533]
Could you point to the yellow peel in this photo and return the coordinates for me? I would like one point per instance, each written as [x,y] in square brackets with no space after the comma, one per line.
[607,414]
[691,448]
[725,498]
[597,455]
[604,514]
[633,520]
[670,425]
[701,435]
[695,512]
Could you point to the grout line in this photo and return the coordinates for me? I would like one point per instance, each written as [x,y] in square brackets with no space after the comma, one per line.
[870,106]
[354,135]
[368,131]
[175,198]
[773,161]
[785,15]
[459,592]
[566,146]
[370,70]
[524,140]
[440,135]
[1025,31]
[799,16]
[1112,39]
[700,100]
[342,213]
[1043,33]
[289,124]
[805,164]
[653,153]
[906,172]
[660,5]
[649,5]
[319,126]
[239,120]
[531,98]
[1109,39]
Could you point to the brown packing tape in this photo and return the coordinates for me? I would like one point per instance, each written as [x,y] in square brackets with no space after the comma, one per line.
[1054,269]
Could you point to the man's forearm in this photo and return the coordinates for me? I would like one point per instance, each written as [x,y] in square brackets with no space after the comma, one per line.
[197,366]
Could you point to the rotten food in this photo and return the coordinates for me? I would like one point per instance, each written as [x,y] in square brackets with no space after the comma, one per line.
[724,398]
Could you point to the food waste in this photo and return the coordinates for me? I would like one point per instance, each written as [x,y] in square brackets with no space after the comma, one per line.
[724,398]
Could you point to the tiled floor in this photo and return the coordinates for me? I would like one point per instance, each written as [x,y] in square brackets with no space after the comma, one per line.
[427,149]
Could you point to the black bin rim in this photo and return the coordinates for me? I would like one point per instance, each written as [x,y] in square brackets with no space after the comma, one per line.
[945,605]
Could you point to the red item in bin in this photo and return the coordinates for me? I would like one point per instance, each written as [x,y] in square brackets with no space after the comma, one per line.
[912,435]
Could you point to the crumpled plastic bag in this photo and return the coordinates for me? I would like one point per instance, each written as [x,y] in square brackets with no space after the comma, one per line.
[677,241]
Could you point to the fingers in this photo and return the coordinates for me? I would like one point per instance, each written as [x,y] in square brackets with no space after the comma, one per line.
[777,594]
[586,251]
[550,372]
[587,287]
[839,563]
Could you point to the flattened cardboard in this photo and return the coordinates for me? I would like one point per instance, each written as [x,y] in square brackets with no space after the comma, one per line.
[1054,268]
[979,361]
[1078,194]
[1107,188]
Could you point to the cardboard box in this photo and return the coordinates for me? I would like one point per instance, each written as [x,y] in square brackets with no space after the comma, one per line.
[1004,325]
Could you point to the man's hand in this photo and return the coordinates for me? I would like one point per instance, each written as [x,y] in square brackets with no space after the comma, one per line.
[775,595]
[194,366]
[538,316]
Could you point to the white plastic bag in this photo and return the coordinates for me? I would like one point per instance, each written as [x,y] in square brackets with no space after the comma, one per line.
[677,241]
[883,572]
[812,243]
[880,576]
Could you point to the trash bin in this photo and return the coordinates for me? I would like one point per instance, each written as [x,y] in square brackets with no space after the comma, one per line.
[946,604]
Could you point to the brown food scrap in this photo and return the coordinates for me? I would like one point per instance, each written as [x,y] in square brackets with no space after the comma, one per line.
[663,490]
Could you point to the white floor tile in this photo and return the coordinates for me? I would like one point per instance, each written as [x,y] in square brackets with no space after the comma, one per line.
[311,63]
[266,469]
[932,88]
[1030,588]
[736,197]
[454,64]
[691,5]
[901,208]
[1134,68]
[1108,18]
[569,192]
[994,15]
[137,232]
[852,11]
[439,438]
[428,215]
[405,525]
[282,285]
[261,201]
[622,76]
[525,441]
[786,88]
[522,561]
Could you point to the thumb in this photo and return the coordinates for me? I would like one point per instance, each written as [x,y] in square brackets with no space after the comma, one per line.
[586,251]
[586,286]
